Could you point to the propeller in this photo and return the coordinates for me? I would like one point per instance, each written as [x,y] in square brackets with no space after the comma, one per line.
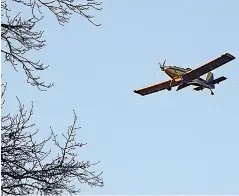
[162,65]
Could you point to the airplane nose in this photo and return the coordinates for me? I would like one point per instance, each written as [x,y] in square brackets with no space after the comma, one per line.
[166,70]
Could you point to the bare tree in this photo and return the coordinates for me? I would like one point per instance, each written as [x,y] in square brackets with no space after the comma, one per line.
[19,37]
[27,168]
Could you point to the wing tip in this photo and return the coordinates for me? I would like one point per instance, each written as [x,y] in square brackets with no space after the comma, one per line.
[137,92]
[230,56]
[224,77]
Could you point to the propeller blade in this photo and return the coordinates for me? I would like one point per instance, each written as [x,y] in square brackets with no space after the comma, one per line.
[164,62]
[162,65]
[159,63]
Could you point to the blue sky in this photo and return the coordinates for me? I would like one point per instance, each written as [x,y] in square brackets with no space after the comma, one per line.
[182,142]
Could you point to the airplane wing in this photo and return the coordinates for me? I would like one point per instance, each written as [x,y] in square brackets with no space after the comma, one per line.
[156,87]
[195,73]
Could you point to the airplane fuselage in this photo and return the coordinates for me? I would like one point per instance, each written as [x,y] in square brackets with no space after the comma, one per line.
[173,71]
[177,72]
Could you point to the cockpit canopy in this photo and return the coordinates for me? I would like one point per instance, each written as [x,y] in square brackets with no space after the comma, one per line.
[180,68]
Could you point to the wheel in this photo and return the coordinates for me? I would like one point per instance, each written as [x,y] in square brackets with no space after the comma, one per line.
[212,93]
[169,88]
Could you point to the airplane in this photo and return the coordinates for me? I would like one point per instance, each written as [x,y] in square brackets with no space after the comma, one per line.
[183,77]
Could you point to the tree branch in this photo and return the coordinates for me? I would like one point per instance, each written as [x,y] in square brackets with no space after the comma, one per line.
[26,168]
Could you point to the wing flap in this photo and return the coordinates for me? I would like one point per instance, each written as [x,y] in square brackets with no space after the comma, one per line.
[207,67]
[156,87]
[182,86]
[199,88]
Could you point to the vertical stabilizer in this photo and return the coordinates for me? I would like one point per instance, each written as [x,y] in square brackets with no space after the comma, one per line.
[210,78]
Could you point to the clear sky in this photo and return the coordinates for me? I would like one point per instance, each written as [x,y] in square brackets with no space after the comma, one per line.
[182,142]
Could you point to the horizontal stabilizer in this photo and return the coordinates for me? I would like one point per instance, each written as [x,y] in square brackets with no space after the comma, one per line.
[218,80]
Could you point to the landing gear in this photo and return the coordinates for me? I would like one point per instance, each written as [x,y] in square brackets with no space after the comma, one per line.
[170,86]
[212,93]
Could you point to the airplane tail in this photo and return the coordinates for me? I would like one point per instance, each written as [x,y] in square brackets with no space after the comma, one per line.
[210,78]
[212,83]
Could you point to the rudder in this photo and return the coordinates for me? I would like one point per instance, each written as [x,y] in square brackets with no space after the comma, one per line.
[210,78]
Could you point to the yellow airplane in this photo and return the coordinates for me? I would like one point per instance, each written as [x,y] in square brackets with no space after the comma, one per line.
[182,77]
